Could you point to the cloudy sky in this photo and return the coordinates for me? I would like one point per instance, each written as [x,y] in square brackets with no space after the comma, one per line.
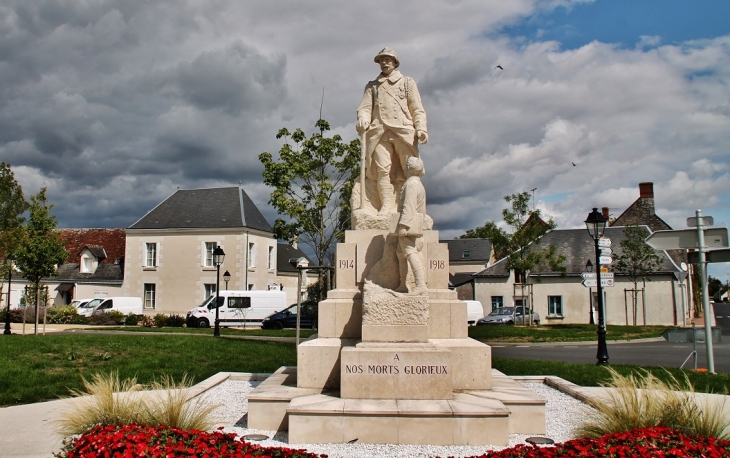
[113,105]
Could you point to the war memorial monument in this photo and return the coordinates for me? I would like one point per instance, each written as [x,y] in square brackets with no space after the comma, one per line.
[392,362]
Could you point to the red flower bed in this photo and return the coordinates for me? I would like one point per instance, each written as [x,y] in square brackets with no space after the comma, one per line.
[145,441]
[641,442]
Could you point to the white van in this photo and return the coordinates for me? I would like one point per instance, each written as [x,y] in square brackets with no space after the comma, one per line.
[126,305]
[236,308]
[474,311]
[80,302]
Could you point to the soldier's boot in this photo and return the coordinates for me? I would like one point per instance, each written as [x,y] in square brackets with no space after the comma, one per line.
[419,274]
[387,196]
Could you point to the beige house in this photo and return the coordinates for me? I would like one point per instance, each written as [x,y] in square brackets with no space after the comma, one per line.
[562,298]
[169,251]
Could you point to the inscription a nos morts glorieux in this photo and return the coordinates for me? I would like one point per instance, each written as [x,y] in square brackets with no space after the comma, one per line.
[396,369]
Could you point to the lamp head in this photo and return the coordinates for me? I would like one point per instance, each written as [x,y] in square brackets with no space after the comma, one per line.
[596,224]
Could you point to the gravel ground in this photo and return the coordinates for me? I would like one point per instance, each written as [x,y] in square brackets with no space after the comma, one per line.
[563,413]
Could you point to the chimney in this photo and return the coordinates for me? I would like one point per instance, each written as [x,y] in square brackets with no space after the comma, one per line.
[604,212]
[646,190]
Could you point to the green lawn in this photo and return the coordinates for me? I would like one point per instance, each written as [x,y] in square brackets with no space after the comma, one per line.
[560,333]
[41,368]
[255,331]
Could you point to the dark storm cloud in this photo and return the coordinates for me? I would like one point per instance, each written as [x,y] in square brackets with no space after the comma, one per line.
[233,80]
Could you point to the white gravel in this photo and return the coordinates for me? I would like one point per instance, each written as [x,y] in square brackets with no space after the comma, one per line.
[562,412]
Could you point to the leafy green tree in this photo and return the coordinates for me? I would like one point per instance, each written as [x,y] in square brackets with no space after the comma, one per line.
[519,245]
[41,250]
[12,207]
[312,182]
[714,286]
[636,259]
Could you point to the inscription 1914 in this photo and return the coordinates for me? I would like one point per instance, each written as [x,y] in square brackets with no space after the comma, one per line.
[346,263]
[396,369]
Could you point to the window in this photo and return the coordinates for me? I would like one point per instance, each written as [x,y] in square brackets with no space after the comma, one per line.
[271,258]
[209,247]
[239,302]
[149,295]
[466,254]
[209,290]
[497,302]
[251,254]
[87,264]
[555,305]
[250,286]
[151,259]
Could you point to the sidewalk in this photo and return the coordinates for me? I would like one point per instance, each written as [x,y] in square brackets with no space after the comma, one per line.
[17,328]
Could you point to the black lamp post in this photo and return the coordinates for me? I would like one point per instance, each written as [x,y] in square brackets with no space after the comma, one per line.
[596,224]
[218,256]
[7,331]
[589,268]
[226,278]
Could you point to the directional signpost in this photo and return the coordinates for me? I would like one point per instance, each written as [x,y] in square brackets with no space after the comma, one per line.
[699,239]
[590,279]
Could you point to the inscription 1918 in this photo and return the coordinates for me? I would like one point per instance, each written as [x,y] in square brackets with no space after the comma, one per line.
[436,264]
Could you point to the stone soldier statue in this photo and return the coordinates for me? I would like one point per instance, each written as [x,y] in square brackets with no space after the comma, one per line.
[393,122]
[412,210]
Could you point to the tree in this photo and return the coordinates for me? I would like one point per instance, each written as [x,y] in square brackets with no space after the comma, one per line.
[312,183]
[636,259]
[12,206]
[714,286]
[40,249]
[519,245]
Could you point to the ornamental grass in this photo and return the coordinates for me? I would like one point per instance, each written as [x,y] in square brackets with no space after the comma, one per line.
[641,400]
[111,402]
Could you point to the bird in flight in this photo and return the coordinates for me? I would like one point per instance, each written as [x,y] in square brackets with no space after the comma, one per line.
[573,164]
[498,67]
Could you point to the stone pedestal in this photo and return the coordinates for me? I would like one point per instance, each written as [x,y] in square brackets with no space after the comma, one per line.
[393,368]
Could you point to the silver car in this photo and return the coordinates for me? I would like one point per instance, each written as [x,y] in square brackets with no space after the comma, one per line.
[508,315]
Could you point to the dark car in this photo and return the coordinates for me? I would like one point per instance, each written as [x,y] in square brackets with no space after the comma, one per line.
[287,318]
[508,315]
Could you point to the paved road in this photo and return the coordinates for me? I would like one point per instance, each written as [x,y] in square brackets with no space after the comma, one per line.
[722,317]
[645,353]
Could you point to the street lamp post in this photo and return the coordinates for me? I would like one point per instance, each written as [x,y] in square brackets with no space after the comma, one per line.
[591,320]
[218,256]
[596,224]
[7,331]
[226,278]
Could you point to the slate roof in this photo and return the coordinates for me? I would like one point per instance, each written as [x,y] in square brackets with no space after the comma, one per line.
[212,208]
[105,273]
[577,247]
[96,250]
[286,257]
[481,250]
[459,279]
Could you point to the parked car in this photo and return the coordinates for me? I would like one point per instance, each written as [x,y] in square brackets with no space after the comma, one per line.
[80,302]
[125,305]
[287,318]
[509,315]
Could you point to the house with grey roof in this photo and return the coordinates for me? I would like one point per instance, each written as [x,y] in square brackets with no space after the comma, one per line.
[466,257]
[561,297]
[169,251]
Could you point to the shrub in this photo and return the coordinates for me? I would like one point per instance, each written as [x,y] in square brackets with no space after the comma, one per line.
[159,320]
[147,321]
[104,319]
[62,314]
[642,400]
[131,319]
[175,321]
[117,316]
[16,315]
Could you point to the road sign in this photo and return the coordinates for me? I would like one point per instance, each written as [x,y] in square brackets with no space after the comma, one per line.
[605,260]
[722,255]
[592,275]
[705,220]
[592,282]
[604,242]
[687,238]
[605,251]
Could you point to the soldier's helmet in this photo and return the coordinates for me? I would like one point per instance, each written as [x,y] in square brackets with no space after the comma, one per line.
[388,52]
